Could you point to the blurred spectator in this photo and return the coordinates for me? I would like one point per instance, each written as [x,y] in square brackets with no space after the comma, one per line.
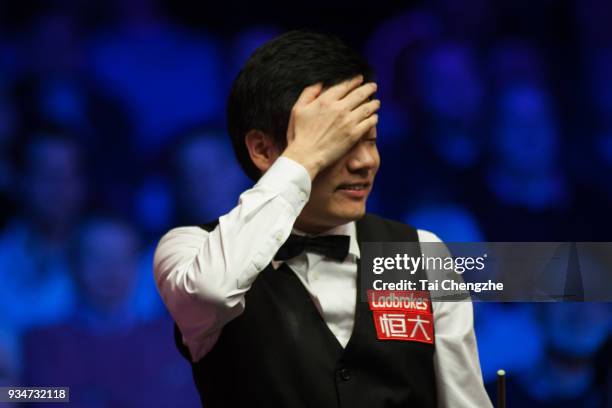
[33,245]
[452,97]
[393,38]
[515,60]
[566,374]
[525,182]
[589,161]
[444,151]
[192,194]
[154,206]
[52,88]
[105,352]
[166,75]
[202,155]
[105,263]
[595,162]
[36,287]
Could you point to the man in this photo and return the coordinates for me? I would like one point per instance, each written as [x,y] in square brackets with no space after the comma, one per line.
[36,288]
[267,319]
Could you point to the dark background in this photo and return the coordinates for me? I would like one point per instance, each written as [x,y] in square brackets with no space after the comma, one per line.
[496,125]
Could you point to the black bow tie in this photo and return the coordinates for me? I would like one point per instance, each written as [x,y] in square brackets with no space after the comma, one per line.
[332,246]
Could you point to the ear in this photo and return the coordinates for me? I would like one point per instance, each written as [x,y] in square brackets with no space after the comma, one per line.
[262,149]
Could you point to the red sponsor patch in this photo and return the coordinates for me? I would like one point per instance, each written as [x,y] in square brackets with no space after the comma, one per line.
[402,315]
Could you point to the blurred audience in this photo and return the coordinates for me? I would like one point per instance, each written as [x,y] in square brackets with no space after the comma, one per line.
[189,194]
[105,351]
[53,87]
[165,74]
[568,373]
[445,149]
[36,285]
[452,95]
[201,157]
[524,179]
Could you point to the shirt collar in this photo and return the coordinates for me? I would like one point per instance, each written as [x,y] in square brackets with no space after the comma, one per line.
[349,229]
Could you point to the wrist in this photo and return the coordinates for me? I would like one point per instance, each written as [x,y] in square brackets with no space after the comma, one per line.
[309,161]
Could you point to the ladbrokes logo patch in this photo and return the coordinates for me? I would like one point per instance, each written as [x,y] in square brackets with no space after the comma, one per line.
[408,300]
[402,315]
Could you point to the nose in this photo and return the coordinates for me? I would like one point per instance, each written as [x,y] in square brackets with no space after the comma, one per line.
[363,158]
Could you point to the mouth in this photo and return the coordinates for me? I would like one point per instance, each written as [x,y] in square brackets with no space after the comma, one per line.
[354,190]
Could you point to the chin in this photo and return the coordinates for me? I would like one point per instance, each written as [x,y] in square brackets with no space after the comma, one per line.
[348,214]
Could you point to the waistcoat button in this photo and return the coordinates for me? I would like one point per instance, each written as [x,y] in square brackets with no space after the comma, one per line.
[345,374]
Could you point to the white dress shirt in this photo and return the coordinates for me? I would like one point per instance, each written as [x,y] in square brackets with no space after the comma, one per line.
[203,277]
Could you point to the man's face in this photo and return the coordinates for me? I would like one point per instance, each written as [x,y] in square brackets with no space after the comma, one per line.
[340,191]
[107,270]
[53,184]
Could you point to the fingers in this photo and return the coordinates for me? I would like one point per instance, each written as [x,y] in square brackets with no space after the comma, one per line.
[309,94]
[340,90]
[365,110]
[291,129]
[359,95]
[365,126]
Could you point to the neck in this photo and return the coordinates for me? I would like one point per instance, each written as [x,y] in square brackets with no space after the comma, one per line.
[312,228]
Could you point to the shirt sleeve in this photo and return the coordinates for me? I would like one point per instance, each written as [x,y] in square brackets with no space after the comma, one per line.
[202,277]
[458,376]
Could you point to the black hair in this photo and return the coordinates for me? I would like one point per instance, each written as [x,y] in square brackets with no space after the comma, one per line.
[274,76]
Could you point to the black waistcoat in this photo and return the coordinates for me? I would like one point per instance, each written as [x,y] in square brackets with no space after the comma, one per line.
[280,353]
